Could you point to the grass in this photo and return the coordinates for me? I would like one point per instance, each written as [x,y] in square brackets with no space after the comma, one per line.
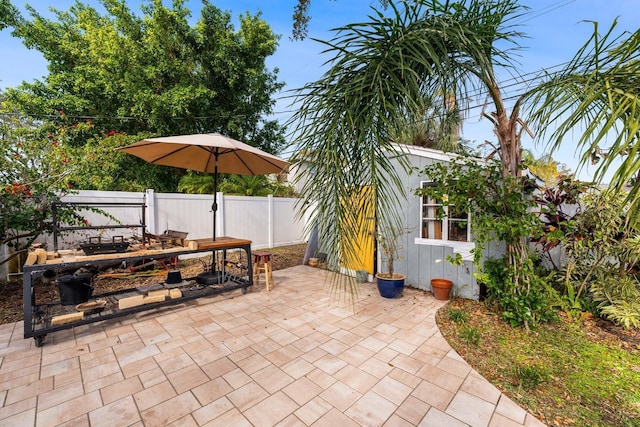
[566,373]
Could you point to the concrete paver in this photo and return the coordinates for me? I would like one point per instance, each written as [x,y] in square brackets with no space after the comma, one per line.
[292,356]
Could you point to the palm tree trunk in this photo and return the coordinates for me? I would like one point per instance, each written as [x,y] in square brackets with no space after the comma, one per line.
[507,129]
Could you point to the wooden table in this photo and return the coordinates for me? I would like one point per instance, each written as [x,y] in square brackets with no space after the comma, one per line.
[38,317]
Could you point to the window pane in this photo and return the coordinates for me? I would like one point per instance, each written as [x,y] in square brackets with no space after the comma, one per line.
[432,229]
[432,212]
[457,213]
[438,221]
[458,230]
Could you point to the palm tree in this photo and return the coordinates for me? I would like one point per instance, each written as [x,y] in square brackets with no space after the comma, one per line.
[437,127]
[196,183]
[597,96]
[380,75]
[243,185]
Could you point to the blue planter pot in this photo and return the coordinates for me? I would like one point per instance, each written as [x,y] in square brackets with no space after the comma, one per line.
[390,288]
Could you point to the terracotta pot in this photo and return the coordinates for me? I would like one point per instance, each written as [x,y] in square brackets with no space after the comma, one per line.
[441,288]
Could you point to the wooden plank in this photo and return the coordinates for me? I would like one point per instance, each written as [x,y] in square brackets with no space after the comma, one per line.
[32,258]
[67,318]
[175,293]
[219,243]
[163,292]
[119,255]
[129,302]
[195,245]
[42,255]
[153,299]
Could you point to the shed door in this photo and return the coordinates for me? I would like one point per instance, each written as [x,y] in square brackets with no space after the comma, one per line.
[364,226]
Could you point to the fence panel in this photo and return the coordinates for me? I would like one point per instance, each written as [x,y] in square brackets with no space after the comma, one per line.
[266,221]
[287,227]
[182,212]
[247,217]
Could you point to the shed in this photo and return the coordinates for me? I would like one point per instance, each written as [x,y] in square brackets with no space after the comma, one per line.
[428,240]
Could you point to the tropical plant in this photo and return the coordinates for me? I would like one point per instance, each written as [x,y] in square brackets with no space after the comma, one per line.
[241,185]
[197,183]
[558,205]
[545,167]
[596,96]
[602,251]
[388,240]
[437,126]
[281,186]
[381,72]
[618,299]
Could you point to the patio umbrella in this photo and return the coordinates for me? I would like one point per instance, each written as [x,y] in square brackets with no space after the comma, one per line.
[209,152]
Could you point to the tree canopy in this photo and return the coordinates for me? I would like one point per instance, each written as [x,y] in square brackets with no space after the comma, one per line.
[301,18]
[136,75]
[34,171]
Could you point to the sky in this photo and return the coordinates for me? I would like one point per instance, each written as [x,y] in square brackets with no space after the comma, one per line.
[555,30]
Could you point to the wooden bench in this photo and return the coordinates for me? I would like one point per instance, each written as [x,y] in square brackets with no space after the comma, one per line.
[169,236]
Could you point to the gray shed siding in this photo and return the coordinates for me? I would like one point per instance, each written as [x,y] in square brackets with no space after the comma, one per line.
[420,262]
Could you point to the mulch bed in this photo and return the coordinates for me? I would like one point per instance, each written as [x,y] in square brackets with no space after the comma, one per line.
[117,279]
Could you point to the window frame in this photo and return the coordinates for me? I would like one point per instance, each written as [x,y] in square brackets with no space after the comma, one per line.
[445,221]
[462,247]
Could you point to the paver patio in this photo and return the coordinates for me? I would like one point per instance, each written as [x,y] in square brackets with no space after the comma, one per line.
[290,357]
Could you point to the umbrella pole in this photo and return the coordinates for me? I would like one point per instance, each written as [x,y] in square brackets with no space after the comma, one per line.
[214,206]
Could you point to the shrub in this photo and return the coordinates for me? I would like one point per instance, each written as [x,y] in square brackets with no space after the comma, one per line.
[518,308]
[504,211]
[618,299]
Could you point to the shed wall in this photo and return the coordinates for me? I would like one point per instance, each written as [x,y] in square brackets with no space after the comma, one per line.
[423,262]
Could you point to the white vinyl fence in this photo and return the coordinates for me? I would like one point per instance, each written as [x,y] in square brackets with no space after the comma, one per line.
[267,221]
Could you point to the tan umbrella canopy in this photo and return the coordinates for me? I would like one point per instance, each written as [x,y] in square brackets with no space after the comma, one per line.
[203,152]
[209,152]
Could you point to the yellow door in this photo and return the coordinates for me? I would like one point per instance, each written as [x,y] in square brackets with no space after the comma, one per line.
[359,255]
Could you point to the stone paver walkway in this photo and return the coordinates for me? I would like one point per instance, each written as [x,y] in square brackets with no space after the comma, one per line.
[289,357]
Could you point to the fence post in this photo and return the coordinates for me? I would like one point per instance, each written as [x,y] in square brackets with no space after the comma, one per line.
[270,226]
[4,254]
[150,214]
[221,215]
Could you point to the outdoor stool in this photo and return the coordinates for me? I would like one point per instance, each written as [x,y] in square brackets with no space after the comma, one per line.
[262,262]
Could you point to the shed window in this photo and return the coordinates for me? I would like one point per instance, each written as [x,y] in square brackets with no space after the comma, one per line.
[440,222]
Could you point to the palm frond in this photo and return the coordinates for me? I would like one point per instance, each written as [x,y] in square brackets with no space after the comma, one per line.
[596,99]
[380,74]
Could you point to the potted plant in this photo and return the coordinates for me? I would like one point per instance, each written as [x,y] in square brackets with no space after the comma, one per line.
[390,284]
